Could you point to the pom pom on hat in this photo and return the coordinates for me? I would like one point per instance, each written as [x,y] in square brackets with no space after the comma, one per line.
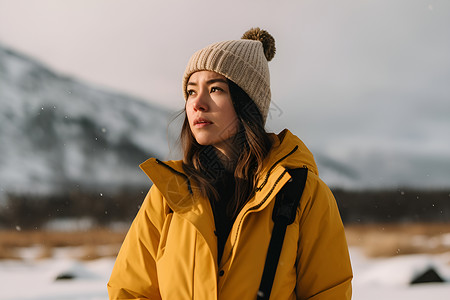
[265,38]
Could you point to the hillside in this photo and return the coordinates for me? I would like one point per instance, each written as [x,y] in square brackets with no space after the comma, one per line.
[58,133]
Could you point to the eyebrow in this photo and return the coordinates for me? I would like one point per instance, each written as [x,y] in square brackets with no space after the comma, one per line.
[214,80]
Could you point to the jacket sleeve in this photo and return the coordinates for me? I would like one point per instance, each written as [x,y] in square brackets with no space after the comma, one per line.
[134,274]
[323,264]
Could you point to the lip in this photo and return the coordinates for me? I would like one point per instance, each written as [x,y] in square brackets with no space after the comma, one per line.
[202,122]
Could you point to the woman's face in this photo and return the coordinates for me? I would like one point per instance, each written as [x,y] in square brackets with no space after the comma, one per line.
[210,111]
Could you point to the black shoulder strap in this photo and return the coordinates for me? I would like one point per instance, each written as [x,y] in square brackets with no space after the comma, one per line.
[284,213]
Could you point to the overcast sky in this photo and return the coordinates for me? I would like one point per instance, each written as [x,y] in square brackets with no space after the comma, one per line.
[355,75]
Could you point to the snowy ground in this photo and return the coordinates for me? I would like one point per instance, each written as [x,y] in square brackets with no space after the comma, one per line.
[389,278]
[375,279]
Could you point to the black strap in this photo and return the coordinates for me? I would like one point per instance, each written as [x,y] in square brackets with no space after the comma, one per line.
[284,213]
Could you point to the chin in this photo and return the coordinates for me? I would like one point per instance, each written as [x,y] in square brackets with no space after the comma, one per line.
[204,141]
[209,141]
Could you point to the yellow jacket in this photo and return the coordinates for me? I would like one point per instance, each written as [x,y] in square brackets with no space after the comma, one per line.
[170,251]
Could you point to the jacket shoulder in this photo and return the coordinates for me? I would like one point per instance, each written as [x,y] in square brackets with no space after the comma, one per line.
[154,208]
[317,196]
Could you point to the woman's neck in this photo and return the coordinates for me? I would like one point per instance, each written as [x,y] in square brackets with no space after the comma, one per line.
[227,158]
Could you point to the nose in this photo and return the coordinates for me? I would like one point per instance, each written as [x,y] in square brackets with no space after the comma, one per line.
[200,103]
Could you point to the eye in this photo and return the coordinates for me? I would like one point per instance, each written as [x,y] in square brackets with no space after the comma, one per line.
[216,89]
[190,92]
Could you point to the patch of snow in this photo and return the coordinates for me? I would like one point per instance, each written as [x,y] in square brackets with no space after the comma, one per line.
[374,279]
[36,281]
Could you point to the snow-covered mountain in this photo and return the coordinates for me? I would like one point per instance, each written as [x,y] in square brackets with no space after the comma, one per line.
[57,132]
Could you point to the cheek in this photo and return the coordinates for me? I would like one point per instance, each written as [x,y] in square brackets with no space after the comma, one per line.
[188,118]
[230,121]
[188,112]
[230,115]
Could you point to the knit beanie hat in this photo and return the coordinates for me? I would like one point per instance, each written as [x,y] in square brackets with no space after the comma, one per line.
[245,62]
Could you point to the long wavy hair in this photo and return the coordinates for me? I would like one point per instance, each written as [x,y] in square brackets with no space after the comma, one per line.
[251,143]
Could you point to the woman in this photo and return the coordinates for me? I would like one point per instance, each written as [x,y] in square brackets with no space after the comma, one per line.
[204,228]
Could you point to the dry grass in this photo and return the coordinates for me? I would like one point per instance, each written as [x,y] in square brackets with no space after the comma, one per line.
[8,253]
[85,245]
[378,240]
[12,238]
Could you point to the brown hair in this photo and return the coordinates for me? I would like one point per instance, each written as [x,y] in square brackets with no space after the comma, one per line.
[252,143]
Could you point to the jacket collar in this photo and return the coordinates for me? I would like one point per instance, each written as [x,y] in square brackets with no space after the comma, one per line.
[182,195]
[173,183]
[283,144]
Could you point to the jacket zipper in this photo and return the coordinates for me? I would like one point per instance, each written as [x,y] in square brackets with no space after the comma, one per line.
[273,166]
[267,195]
[178,173]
